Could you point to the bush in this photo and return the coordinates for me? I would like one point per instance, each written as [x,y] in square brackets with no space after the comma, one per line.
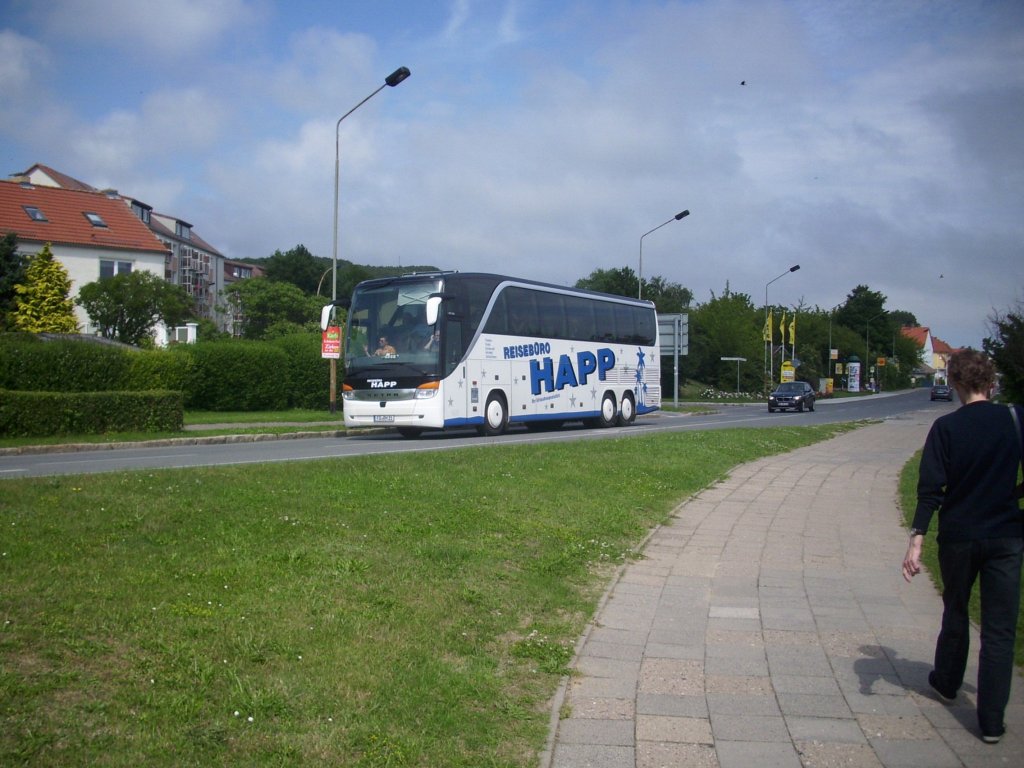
[27,363]
[158,369]
[40,414]
[236,376]
[309,378]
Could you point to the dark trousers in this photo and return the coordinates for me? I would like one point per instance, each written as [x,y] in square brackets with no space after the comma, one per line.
[998,563]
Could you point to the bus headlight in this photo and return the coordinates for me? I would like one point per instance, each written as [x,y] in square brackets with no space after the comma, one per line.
[428,390]
[347,393]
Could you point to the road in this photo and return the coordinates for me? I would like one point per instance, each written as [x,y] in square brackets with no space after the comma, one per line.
[57,462]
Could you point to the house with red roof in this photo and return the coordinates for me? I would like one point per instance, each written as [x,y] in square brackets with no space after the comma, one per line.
[93,234]
[190,261]
[933,350]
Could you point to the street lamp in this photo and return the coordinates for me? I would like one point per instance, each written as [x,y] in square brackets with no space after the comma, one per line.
[391,80]
[640,270]
[831,314]
[770,355]
[867,338]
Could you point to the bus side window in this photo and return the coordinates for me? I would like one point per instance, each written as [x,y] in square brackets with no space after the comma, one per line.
[551,312]
[498,321]
[604,317]
[453,345]
[579,319]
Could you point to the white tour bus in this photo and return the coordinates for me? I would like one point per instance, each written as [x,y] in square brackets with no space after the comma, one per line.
[449,349]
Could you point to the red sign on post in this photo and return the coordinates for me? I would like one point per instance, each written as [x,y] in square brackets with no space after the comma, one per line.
[331,344]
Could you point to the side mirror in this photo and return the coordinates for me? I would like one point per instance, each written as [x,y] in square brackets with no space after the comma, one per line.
[433,308]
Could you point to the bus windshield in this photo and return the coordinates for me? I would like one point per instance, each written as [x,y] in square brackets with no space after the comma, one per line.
[387,327]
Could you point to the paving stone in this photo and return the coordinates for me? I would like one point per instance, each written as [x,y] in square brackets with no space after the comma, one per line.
[663,728]
[827,755]
[657,755]
[749,728]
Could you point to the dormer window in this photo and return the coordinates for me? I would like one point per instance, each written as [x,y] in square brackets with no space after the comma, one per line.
[142,211]
[95,219]
[34,213]
[183,230]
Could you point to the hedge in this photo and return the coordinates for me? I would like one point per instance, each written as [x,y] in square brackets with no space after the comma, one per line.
[236,376]
[62,366]
[216,376]
[309,378]
[38,414]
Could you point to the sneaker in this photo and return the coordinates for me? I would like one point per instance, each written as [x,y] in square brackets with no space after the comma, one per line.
[947,698]
[992,738]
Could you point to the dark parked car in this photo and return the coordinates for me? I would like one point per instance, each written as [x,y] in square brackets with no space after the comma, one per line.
[791,394]
[942,392]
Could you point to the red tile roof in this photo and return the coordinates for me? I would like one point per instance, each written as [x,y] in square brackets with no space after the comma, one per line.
[66,223]
[941,347]
[60,179]
[917,334]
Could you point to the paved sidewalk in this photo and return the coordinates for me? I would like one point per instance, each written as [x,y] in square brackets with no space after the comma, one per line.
[769,625]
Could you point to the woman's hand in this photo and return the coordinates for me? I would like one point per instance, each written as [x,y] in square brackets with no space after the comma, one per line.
[912,560]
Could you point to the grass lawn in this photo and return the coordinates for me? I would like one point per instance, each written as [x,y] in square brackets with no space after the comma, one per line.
[236,421]
[930,553]
[400,610]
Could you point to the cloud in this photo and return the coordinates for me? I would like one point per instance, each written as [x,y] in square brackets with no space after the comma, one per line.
[169,29]
[21,60]
[323,68]
[125,147]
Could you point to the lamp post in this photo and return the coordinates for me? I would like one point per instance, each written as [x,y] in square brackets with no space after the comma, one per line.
[867,338]
[391,80]
[640,269]
[831,314]
[770,353]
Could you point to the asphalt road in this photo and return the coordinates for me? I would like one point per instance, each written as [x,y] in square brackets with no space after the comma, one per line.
[138,457]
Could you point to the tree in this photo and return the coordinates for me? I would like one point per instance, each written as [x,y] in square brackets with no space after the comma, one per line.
[667,297]
[297,266]
[1006,348]
[12,272]
[127,307]
[265,302]
[621,282]
[42,304]
[726,326]
[903,318]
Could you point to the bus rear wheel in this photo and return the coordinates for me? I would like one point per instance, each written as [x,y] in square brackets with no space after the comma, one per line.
[495,416]
[627,414]
[609,411]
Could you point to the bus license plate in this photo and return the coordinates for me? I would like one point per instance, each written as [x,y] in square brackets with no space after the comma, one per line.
[383,419]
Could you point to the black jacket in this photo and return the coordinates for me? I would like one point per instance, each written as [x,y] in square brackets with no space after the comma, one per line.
[969,473]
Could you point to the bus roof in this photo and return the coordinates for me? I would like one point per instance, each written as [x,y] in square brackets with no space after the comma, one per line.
[447,274]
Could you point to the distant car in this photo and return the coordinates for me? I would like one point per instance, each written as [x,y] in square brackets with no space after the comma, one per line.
[791,394]
[942,392]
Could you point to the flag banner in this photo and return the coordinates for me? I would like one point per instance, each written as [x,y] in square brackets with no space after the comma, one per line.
[767,333]
[792,331]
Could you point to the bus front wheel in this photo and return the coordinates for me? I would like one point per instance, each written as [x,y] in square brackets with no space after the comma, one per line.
[627,415]
[495,416]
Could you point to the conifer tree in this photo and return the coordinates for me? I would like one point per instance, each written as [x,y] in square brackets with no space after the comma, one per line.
[42,303]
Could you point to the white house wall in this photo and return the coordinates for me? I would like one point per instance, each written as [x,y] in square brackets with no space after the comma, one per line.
[83,267]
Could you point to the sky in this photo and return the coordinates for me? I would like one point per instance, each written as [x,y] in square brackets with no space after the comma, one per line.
[872,142]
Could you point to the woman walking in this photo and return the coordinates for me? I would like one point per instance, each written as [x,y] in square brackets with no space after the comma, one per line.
[969,475]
